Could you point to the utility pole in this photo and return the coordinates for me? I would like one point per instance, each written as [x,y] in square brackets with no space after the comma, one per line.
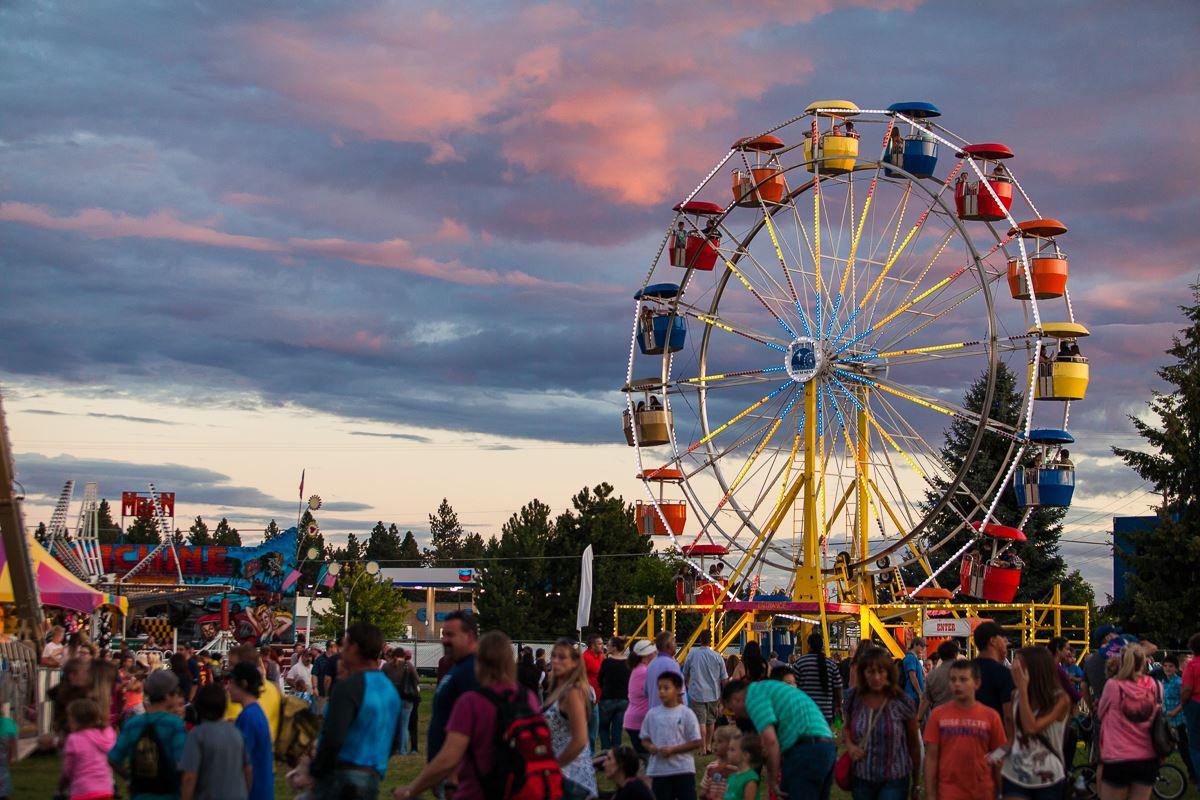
[16,547]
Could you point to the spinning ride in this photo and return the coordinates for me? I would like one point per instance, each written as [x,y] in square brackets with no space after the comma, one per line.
[801,344]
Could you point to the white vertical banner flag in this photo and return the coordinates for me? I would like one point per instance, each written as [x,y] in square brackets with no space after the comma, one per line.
[584,615]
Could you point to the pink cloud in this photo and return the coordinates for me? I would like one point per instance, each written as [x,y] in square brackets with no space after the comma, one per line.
[396,254]
[452,231]
[618,106]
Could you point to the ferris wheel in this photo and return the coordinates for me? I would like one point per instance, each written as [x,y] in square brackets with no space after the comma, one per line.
[807,331]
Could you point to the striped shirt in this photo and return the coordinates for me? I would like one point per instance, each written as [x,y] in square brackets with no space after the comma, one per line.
[883,733]
[791,711]
[808,678]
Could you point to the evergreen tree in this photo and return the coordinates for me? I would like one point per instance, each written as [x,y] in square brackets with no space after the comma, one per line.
[41,534]
[353,552]
[1162,588]
[143,530]
[410,551]
[383,544]
[1044,564]
[198,534]
[109,531]
[271,531]
[226,535]
[515,577]
[446,535]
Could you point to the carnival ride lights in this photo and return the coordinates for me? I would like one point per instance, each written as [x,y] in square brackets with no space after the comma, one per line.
[854,299]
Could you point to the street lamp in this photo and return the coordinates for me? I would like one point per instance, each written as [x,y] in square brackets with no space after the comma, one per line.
[370,568]
[311,554]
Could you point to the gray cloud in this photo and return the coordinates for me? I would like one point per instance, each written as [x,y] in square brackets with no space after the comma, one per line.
[411,437]
[99,415]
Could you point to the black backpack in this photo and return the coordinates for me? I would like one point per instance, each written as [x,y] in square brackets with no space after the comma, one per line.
[525,767]
[152,771]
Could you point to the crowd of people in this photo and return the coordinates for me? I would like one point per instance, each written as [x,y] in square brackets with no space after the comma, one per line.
[519,724]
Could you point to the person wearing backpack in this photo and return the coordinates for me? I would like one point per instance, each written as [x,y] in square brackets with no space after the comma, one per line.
[496,738]
[150,746]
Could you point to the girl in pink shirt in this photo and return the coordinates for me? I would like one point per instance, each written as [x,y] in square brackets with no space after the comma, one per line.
[639,659]
[86,774]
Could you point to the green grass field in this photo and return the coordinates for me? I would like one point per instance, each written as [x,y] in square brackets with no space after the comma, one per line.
[37,778]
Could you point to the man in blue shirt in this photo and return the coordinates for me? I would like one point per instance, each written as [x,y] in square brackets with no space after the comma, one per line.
[914,670]
[245,686]
[460,638]
[159,688]
[664,662]
[360,722]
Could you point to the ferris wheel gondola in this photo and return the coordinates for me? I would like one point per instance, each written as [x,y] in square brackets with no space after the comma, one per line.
[824,325]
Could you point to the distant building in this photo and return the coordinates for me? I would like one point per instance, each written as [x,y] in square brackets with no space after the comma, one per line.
[1125,535]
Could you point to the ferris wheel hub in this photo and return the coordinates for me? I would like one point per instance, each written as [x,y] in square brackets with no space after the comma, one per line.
[805,359]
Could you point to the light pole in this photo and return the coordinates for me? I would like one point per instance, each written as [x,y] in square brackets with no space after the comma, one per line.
[370,568]
[311,554]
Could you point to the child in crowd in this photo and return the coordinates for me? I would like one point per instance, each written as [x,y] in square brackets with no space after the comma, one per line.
[621,766]
[303,693]
[670,733]
[86,774]
[712,787]
[784,673]
[134,695]
[962,739]
[245,686]
[215,764]
[746,754]
[8,750]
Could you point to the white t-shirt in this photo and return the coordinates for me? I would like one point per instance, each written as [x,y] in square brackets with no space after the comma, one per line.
[303,672]
[665,727]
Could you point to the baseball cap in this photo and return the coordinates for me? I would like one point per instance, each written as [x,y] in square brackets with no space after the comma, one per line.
[159,685]
[1104,630]
[644,648]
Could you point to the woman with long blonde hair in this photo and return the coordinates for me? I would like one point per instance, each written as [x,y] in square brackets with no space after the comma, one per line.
[1129,764]
[568,710]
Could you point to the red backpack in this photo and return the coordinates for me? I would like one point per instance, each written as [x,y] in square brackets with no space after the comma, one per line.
[525,767]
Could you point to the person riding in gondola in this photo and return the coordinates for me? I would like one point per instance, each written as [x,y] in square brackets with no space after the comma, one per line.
[896,144]
[1073,348]
[655,404]
[679,245]
[850,130]
[1064,460]
[1000,173]
[711,231]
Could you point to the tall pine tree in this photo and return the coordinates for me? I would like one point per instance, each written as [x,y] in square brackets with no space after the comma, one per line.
[410,551]
[384,543]
[1162,587]
[449,542]
[109,532]
[226,535]
[143,530]
[271,531]
[1044,564]
[198,534]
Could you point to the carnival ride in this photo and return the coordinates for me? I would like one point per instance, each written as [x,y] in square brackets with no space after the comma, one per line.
[800,344]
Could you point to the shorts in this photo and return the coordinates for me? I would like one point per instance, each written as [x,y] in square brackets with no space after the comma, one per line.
[706,713]
[1129,773]
[1052,792]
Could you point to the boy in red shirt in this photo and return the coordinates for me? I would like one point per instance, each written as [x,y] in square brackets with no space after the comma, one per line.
[960,738]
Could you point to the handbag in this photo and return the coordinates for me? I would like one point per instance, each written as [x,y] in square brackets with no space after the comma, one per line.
[1162,736]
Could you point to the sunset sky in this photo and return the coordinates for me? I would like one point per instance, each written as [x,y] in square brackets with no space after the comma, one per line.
[394,244]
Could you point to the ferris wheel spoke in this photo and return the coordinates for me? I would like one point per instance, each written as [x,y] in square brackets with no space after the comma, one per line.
[728,327]
[704,381]
[741,415]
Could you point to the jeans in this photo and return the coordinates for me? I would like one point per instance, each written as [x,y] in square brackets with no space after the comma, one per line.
[594,726]
[1191,715]
[807,770]
[1185,751]
[674,787]
[612,714]
[895,789]
[405,744]
[348,784]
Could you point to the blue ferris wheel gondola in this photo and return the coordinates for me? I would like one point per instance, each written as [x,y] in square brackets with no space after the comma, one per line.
[658,330]
[1049,483]
[919,152]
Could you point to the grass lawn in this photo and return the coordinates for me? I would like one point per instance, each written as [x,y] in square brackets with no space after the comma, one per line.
[37,778]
